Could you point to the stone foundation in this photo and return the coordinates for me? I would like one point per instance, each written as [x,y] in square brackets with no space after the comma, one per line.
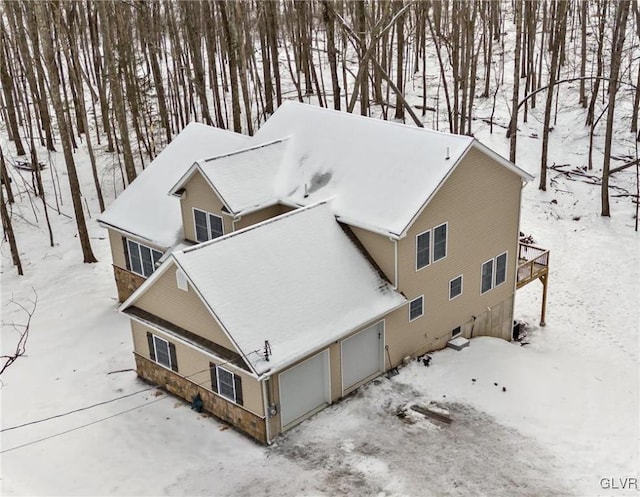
[126,282]
[245,421]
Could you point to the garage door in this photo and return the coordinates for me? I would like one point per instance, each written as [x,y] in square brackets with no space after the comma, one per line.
[304,389]
[362,356]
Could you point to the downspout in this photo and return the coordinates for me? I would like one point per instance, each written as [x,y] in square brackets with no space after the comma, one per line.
[395,255]
[234,221]
[516,256]
[265,406]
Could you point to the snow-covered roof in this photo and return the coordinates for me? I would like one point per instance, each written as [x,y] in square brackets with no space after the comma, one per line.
[244,180]
[296,280]
[379,173]
[144,208]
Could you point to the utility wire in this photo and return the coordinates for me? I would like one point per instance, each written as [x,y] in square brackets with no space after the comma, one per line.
[75,410]
[99,404]
[110,400]
[81,426]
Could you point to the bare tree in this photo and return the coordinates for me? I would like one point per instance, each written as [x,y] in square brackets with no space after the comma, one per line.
[617,42]
[23,332]
[559,27]
[44,21]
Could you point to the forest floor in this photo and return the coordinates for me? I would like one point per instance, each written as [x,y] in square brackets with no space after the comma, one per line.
[566,423]
[568,418]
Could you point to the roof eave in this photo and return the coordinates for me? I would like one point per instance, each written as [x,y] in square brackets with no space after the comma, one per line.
[292,360]
[131,234]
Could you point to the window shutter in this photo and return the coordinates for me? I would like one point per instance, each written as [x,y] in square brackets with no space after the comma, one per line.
[152,350]
[126,253]
[214,377]
[238,384]
[174,359]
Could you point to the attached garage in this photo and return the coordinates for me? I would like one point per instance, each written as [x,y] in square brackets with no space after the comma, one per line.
[362,356]
[304,389]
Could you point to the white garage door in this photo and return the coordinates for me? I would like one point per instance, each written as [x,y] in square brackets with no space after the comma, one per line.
[362,356]
[304,388]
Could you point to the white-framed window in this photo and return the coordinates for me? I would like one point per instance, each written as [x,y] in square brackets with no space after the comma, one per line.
[431,246]
[162,352]
[456,331]
[486,276]
[139,258]
[416,308]
[501,269]
[493,273]
[226,384]
[423,252]
[455,287]
[439,242]
[207,226]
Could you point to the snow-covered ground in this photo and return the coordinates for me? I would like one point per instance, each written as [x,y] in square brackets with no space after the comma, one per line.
[566,422]
[568,418]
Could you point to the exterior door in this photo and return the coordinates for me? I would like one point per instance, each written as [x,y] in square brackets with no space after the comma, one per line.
[304,389]
[362,356]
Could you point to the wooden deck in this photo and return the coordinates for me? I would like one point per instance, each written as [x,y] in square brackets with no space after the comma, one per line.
[533,264]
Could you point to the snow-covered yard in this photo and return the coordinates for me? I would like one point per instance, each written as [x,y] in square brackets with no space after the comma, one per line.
[568,418]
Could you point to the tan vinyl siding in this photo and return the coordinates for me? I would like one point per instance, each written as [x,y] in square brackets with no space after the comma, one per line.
[198,194]
[193,364]
[480,201]
[381,249]
[261,215]
[117,249]
[185,309]
[335,363]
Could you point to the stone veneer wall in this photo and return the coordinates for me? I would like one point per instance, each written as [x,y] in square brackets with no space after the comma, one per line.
[126,282]
[252,425]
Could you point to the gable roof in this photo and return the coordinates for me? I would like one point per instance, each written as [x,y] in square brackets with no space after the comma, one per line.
[296,280]
[378,173]
[144,208]
[245,179]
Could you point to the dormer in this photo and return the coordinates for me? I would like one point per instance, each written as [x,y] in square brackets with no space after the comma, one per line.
[222,194]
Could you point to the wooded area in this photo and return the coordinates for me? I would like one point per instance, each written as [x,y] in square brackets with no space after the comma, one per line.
[124,77]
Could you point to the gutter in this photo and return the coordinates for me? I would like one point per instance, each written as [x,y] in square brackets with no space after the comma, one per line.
[130,234]
[323,345]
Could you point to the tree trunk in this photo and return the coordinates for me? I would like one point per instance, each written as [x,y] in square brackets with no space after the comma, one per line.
[399,59]
[513,125]
[558,39]
[617,45]
[230,34]
[7,88]
[108,42]
[44,23]
[7,227]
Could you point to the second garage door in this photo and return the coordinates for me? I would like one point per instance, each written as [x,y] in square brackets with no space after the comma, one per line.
[304,389]
[362,356]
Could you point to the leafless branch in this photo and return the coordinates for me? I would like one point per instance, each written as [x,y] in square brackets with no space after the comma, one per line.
[22,330]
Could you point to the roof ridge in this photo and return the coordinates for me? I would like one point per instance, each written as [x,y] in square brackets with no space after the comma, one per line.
[244,150]
[250,228]
[382,121]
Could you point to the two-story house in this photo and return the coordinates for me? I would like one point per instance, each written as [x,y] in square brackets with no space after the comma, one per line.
[299,263]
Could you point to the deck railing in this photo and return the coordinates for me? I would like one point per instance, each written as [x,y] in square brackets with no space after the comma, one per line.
[533,262]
